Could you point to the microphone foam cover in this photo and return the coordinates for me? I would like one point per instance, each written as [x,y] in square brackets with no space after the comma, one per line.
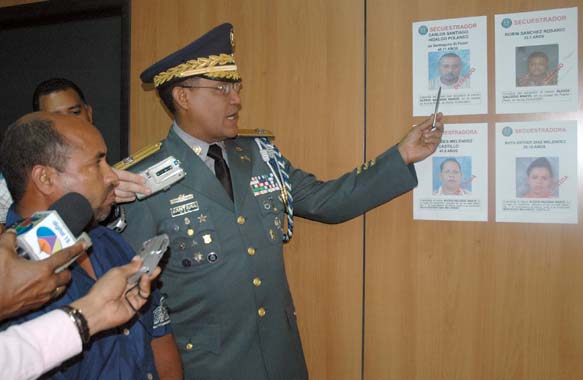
[75,210]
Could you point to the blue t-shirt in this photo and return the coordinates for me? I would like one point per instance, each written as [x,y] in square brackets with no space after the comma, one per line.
[121,353]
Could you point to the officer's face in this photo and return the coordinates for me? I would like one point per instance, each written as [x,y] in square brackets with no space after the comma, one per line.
[450,69]
[212,115]
[66,102]
[86,171]
[537,66]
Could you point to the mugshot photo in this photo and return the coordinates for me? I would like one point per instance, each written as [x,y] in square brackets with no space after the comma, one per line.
[537,177]
[449,69]
[537,65]
[452,175]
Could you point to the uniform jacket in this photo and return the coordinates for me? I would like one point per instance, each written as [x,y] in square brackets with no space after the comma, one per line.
[227,292]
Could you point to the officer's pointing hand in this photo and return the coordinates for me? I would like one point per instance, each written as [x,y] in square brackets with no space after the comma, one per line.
[422,140]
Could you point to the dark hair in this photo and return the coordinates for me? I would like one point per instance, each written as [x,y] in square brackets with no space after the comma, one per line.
[449,55]
[450,160]
[26,144]
[540,162]
[165,92]
[53,85]
[538,54]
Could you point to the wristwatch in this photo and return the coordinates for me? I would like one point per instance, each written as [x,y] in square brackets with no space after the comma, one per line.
[80,322]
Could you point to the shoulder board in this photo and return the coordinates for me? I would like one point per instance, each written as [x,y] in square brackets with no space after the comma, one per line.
[258,132]
[145,152]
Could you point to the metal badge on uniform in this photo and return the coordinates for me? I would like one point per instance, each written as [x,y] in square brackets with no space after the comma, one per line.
[198,257]
[187,220]
[212,257]
[245,157]
[238,149]
[184,209]
[263,184]
[207,239]
[197,150]
[201,218]
[180,244]
[181,198]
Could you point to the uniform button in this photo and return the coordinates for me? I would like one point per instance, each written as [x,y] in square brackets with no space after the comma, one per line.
[241,219]
[189,346]
[149,376]
[257,281]
[126,332]
[190,232]
[251,251]
[261,312]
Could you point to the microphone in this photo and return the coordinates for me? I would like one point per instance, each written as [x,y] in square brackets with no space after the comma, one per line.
[75,210]
[47,232]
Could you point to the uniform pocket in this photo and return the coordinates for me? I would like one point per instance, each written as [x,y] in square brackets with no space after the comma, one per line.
[194,243]
[272,216]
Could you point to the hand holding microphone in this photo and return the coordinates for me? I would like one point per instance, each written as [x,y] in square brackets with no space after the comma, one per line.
[47,232]
[25,284]
[113,301]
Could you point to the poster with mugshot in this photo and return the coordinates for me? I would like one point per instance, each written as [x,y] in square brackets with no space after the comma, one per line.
[453,182]
[537,61]
[451,54]
[536,172]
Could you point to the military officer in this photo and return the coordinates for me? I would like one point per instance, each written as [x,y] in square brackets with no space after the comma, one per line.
[227,292]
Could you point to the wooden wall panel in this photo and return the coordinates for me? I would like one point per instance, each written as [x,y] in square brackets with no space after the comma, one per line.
[462,300]
[443,300]
[302,64]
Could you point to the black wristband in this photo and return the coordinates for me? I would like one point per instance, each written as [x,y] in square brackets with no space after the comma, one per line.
[80,322]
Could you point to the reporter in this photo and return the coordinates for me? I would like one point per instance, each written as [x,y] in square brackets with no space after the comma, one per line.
[36,346]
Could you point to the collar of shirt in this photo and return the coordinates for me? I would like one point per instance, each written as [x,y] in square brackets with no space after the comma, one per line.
[12,216]
[199,147]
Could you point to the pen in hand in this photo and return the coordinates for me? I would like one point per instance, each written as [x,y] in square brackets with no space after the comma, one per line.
[436,108]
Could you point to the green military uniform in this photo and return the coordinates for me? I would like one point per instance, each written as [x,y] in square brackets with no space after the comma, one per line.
[227,292]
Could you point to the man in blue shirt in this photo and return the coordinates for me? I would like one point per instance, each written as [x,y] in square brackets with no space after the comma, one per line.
[44,156]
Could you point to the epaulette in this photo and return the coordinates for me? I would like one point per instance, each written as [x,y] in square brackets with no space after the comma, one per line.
[145,152]
[258,132]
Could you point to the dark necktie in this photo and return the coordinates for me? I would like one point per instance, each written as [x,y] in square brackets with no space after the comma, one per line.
[221,169]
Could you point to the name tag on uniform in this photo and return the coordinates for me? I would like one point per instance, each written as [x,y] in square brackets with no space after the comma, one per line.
[184,209]
[263,184]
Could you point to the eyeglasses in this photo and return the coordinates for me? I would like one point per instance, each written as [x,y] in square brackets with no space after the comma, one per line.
[225,89]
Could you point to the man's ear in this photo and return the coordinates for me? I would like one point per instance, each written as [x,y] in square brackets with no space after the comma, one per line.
[89,112]
[43,178]
[180,96]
